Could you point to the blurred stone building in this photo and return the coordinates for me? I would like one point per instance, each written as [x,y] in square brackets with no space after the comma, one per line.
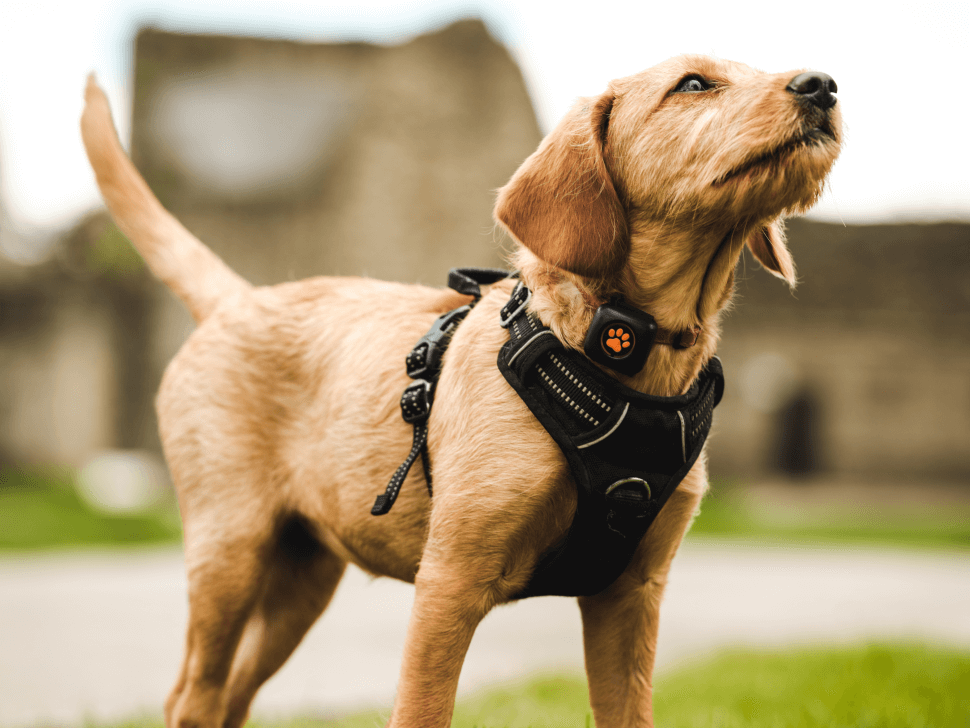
[294,159]
[73,350]
[863,369]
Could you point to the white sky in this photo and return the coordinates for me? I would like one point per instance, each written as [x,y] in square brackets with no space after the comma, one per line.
[898,67]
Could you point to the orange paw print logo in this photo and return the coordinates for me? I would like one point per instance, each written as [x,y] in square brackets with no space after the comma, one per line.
[616,340]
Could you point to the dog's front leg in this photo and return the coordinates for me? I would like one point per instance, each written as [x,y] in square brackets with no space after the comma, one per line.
[620,624]
[448,605]
[620,638]
[477,555]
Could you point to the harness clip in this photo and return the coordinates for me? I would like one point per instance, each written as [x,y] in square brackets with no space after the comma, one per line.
[424,360]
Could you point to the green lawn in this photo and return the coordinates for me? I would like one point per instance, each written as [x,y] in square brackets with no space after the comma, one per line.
[875,686]
[862,687]
[41,510]
[727,513]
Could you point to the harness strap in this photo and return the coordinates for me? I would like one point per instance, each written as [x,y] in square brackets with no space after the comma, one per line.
[415,408]
[423,364]
[627,451]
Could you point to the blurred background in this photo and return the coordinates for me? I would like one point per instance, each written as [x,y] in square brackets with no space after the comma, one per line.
[367,138]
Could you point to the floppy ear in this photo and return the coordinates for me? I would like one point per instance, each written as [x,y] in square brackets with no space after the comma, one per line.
[767,244]
[561,203]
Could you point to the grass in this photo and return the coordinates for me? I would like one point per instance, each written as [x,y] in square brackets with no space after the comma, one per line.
[863,687]
[874,686]
[41,510]
[727,513]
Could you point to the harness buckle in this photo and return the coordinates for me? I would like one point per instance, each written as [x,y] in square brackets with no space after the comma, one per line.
[424,360]
[416,401]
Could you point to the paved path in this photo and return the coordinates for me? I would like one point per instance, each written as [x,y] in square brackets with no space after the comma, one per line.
[99,635]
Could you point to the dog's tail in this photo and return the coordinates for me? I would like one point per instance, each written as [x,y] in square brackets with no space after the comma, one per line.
[182,262]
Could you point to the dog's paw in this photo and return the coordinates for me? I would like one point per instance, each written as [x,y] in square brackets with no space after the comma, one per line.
[618,340]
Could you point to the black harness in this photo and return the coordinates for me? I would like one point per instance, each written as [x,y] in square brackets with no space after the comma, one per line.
[627,451]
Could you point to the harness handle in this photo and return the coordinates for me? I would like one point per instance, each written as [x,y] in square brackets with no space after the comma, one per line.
[470,280]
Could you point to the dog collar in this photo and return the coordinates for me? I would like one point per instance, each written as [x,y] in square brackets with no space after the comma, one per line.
[627,451]
[620,336]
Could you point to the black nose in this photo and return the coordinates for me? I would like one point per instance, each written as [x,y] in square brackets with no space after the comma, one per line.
[816,88]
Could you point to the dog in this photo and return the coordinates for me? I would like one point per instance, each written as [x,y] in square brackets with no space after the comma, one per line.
[279,416]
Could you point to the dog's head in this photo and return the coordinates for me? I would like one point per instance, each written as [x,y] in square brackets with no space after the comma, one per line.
[664,177]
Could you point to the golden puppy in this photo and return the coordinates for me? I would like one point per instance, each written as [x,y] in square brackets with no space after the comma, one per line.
[280,417]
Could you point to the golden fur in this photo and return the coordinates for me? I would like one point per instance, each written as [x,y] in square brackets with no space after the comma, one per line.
[280,419]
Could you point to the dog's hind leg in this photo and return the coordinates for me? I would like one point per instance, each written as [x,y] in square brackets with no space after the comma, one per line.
[226,577]
[620,624]
[303,576]
[173,697]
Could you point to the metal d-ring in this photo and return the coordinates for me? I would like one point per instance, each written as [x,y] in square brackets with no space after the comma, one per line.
[638,481]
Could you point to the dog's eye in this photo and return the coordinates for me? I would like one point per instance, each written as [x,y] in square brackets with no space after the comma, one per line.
[692,85]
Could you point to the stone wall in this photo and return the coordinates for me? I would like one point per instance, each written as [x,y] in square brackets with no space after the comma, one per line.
[866,363]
